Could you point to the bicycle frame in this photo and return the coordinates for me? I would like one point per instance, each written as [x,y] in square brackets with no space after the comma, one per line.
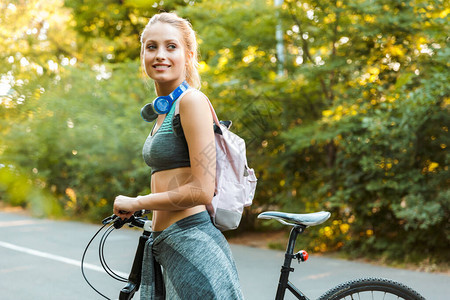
[134,278]
[284,282]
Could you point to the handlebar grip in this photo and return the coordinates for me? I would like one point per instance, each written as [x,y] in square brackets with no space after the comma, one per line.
[118,223]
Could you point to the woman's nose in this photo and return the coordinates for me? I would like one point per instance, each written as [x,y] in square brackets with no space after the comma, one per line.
[160,54]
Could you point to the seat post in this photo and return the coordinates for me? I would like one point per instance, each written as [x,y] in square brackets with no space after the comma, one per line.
[295,231]
[288,256]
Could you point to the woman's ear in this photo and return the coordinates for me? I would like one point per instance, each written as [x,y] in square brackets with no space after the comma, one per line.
[189,55]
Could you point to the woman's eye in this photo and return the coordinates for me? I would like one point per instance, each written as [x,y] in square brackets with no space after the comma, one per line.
[171,46]
[151,47]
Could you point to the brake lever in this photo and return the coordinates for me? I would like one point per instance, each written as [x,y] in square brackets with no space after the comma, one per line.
[109,219]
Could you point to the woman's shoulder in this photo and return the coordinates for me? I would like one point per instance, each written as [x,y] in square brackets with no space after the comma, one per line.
[193,98]
[194,107]
[193,95]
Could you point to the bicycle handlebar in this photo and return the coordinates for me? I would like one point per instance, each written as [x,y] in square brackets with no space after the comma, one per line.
[135,220]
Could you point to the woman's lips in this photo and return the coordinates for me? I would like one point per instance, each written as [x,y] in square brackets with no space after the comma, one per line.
[161,67]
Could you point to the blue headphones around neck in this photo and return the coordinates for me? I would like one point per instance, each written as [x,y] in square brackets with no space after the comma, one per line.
[162,104]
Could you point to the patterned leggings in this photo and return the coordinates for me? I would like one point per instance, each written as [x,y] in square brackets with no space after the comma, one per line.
[196,260]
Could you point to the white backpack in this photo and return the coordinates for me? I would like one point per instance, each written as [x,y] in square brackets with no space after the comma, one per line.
[235,181]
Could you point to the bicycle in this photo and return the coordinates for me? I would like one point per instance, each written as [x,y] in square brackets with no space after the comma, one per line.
[363,288]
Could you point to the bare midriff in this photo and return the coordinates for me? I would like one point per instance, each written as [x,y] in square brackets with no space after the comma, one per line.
[169,180]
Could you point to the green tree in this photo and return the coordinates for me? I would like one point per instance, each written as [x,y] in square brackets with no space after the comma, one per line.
[110,30]
[82,138]
[379,148]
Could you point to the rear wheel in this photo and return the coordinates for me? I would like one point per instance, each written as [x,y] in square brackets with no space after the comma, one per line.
[373,289]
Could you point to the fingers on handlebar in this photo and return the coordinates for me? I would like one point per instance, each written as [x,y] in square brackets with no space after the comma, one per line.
[127,214]
[123,214]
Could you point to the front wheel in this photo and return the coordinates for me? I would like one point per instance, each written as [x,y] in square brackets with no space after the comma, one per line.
[371,288]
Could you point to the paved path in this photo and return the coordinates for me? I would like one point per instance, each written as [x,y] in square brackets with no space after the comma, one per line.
[39,259]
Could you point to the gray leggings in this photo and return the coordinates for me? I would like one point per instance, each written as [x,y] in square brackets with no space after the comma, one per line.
[196,260]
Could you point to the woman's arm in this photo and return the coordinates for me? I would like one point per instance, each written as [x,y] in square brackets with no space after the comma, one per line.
[197,186]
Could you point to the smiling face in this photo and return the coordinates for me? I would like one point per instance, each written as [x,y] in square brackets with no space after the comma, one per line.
[164,55]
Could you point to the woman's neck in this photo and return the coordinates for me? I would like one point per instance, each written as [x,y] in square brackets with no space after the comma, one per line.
[164,89]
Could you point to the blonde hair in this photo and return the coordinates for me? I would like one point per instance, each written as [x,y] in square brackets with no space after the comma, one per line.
[189,40]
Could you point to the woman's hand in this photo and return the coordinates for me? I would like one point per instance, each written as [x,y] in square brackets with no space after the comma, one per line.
[124,206]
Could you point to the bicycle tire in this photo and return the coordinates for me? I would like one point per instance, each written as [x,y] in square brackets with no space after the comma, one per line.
[368,288]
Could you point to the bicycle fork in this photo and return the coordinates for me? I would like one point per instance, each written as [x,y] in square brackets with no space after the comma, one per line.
[134,279]
[284,282]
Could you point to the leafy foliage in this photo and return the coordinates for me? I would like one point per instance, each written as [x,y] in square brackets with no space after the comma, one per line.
[357,124]
[86,147]
[379,148]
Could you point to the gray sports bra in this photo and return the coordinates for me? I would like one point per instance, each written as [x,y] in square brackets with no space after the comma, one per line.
[167,147]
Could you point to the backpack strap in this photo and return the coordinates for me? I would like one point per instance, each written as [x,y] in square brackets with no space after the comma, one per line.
[217,123]
[213,112]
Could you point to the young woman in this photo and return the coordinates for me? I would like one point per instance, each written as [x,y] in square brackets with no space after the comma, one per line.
[180,150]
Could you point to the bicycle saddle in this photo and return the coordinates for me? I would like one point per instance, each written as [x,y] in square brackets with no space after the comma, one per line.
[310,219]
